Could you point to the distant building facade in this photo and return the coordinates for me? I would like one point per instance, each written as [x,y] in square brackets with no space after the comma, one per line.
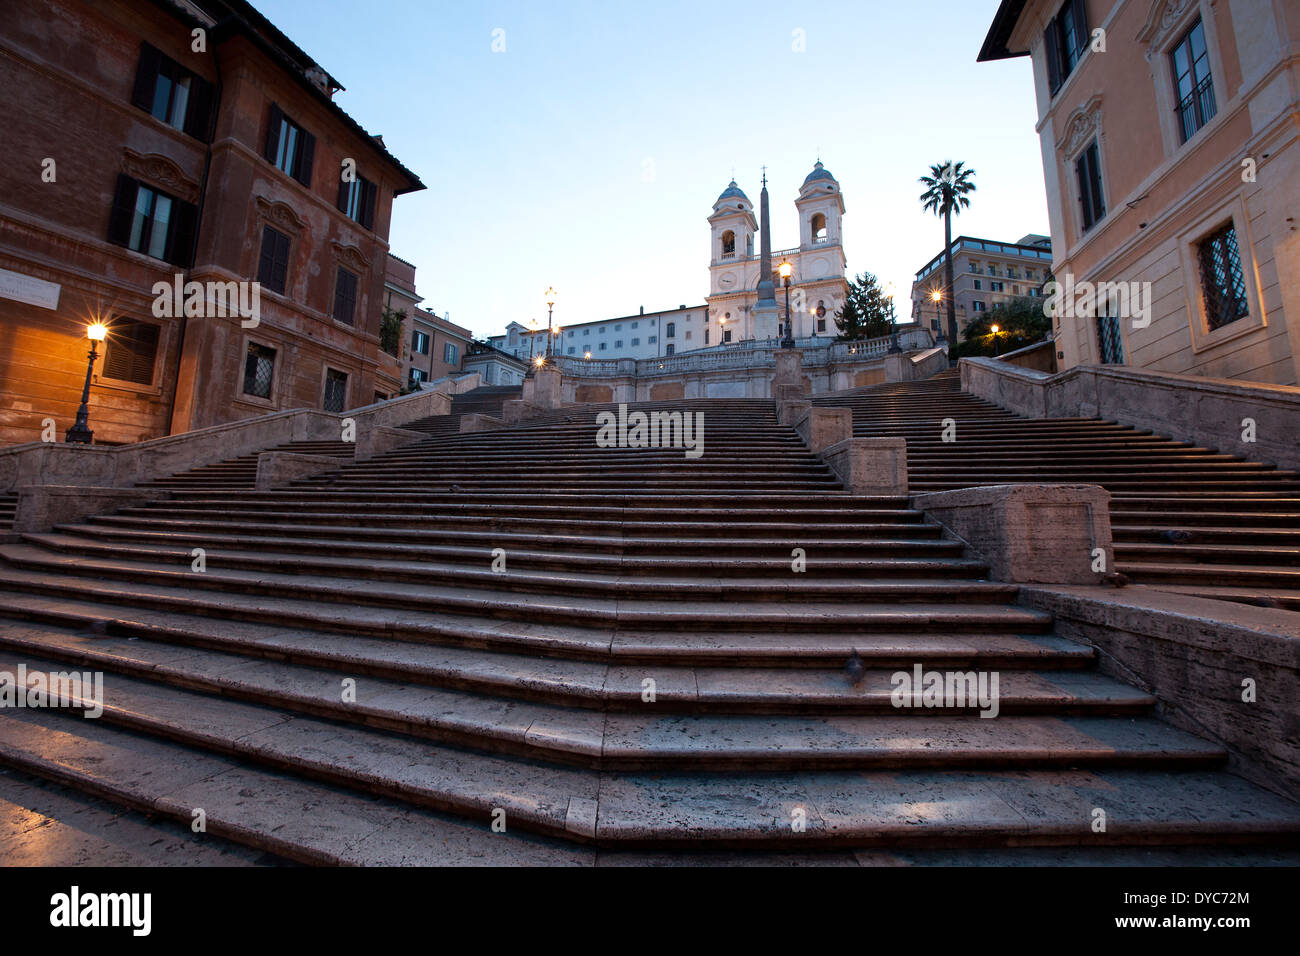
[195,144]
[1172,160]
[818,287]
[984,274]
[432,347]
[494,366]
[643,335]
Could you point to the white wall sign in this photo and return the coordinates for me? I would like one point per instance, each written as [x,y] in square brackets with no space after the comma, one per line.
[21,288]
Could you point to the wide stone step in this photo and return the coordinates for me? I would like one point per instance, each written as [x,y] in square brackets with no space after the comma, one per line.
[399,677]
[359,824]
[592,573]
[905,604]
[1217,554]
[300,631]
[1153,571]
[706,743]
[416,585]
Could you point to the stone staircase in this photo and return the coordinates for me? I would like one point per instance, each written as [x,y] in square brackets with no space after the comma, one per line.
[241,472]
[350,679]
[8,507]
[1184,518]
[484,400]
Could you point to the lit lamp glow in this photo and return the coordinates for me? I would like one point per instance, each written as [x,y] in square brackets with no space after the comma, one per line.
[80,431]
[786,270]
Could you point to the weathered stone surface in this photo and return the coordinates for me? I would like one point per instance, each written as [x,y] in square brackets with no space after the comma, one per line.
[477,422]
[822,427]
[789,369]
[869,466]
[40,507]
[1214,413]
[1194,655]
[374,440]
[276,468]
[1029,534]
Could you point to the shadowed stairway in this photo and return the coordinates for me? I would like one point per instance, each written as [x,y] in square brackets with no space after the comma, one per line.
[608,646]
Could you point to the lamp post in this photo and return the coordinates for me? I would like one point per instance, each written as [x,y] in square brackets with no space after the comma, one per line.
[894,347]
[550,307]
[722,332]
[80,431]
[786,271]
[994,330]
[937,297]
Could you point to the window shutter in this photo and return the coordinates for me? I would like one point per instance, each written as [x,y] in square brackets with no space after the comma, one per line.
[369,194]
[146,77]
[198,115]
[1053,60]
[344,186]
[1082,38]
[273,133]
[180,244]
[119,220]
[306,153]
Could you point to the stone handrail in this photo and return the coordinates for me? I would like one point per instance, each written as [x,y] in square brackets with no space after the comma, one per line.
[120,466]
[746,355]
[1215,413]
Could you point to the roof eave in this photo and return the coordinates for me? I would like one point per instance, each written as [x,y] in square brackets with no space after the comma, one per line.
[996,44]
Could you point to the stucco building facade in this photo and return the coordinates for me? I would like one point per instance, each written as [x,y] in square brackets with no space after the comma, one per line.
[196,143]
[1170,135]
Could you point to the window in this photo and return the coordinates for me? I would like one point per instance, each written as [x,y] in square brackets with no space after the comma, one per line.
[572,349]
[1087,169]
[289,147]
[1110,344]
[570,333]
[749,245]
[1223,284]
[618,327]
[357,200]
[450,353]
[821,325]
[1065,41]
[420,342]
[417,376]
[636,342]
[336,390]
[1012,273]
[997,286]
[652,339]
[688,333]
[726,336]
[671,331]
[273,266]
[974,266]
[1029,274]
[977,306]
[602,346]
[668,350]
[130,350]
[172,93]
[635,324]
[1193,84]
[728,244]
[818,226]
[149,221]
[259,366]
[979,286]
[618,344]
[993,269]
[345,296]
[706,336]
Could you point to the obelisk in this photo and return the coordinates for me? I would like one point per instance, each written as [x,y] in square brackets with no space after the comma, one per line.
[766,318]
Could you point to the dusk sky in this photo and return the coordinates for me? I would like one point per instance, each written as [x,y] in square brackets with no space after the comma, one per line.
[588,154]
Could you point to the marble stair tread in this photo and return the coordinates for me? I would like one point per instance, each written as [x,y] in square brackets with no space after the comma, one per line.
[263,807]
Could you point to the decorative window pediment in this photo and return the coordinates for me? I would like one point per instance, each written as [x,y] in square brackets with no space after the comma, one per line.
[159,171]
[350,257]
[1163,19]
[1080,128]
[280,215]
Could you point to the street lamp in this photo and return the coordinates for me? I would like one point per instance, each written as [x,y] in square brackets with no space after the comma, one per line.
[994,330]
[786,270]
[550,307]
[80,431]
[894,347]
[936,297]
[722,332]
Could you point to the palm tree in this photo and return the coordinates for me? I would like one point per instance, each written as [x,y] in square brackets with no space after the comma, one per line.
[946,191]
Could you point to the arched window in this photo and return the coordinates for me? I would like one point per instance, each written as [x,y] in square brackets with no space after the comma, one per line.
[818,228]
[749,245]
[728,243]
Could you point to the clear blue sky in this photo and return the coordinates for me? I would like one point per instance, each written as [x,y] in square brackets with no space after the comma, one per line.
[588,154]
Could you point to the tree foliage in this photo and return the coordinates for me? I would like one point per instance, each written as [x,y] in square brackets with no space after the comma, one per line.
[390,330]
[1021,321]
[867,311]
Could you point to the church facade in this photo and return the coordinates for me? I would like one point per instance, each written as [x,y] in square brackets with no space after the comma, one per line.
[817,285]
